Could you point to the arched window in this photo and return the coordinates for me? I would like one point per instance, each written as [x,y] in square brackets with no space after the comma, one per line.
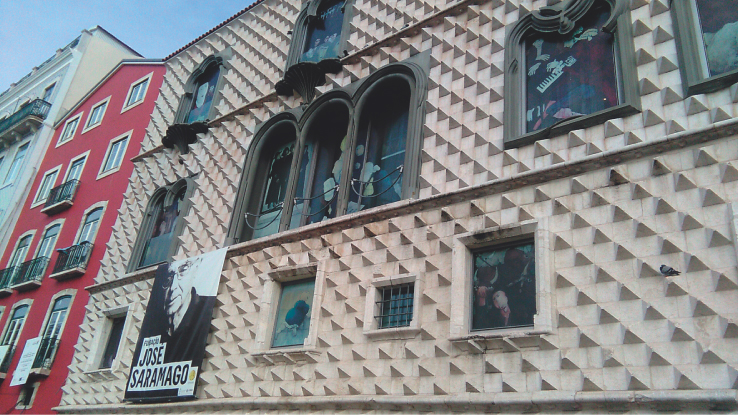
[47,243]
[705,34]
[357,148]
[19,255]
[202,90]
[320,31]
[89,227]
[568,68]
[52,333]
[162,224]
[12,332]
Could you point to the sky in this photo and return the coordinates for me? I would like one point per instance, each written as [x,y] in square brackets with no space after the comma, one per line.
[32,30]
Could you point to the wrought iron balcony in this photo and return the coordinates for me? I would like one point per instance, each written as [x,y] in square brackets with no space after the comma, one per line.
[45,356]
[5,363]
[6,280]
[25,120]
[29,274]
[61,197]
[72,261]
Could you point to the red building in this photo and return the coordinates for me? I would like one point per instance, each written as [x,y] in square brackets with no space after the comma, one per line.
[59,240]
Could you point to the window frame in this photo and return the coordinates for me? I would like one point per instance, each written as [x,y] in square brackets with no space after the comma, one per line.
[104,173]
[72,293]
[355,96]
[58,222]
[36,202]
[77,118]
[300,30]
[22,393]
[6,329]
[691,52]
[7,181]
[548,20]
[104,102]
[221,59]
[375,288]
[168,193]
[126,105]
[99,205]
[48,94]
[461,285]
[32,234]
[105,325]
[84,156]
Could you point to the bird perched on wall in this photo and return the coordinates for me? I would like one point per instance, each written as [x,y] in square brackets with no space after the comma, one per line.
[668,271]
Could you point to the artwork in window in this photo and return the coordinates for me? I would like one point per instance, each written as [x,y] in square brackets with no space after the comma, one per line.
[720,34]
[111,347]
[570,75]
[292,324]
[324,32]
[272,202]
[396,306]
[504,287]
[203,95]
[380,148]
[157,247]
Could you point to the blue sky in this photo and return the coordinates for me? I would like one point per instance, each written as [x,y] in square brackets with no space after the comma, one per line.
[32,30]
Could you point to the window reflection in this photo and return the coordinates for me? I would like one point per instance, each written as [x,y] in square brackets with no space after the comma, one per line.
[203,94]
[719,31]
[157,247]
[324,32]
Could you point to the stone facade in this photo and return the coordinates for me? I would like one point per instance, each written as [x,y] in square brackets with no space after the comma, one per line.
[606,206]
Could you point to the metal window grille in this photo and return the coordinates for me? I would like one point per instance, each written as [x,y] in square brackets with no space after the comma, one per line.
[396,306]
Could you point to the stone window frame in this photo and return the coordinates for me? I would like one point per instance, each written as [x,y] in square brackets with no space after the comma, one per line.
[25,302]
[85,157]
[691,52]
[355,96]
[63,138]
[102,334]
[22,393]
[72,293]
[36,201]
[221,59]
[134,84]
[548,20]
[48,226]
[32,234]
[167,193]
[299,32]
[98,205]
[373,293]
[105,173]
[269,306]
[462,268]
[102,103]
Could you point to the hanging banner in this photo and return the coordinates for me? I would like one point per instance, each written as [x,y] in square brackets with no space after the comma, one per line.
[20,376]
[174,332]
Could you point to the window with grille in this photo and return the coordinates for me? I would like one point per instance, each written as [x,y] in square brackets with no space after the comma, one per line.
[395,306]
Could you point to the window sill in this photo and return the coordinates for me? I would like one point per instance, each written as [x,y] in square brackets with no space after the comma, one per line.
[57,207]
[101,374]
[68,274]
[512,339]
[132,106]
[5,292]
[397,333]
[288,355]
[712,84]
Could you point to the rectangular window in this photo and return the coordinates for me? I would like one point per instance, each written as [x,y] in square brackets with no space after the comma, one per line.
[97,115]
[111,347]
[395,306]
[718,22]
[137,93]
[46,184]
[75,170]
[69,129]
[292,323]
[48,92]
[503,287]
[15,167]
[115,155]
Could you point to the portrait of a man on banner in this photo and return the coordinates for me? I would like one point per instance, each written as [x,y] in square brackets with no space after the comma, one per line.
[174,331]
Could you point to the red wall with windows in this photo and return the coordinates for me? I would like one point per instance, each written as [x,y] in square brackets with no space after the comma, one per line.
[92,190]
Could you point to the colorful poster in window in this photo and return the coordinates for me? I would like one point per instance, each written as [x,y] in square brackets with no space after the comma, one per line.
[324,32]
[292,323]
[570,75]
[203,95]
[719,21]
[174,332]
[275,189]
[157,247]
[504,288]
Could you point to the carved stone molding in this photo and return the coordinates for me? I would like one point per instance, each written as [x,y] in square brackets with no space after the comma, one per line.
[182,135]
[304,77]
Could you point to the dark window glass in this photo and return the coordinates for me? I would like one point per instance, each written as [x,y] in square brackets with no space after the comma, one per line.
[202,97]
[570,75]
[379,155]
[111,348]
[20,252]
[15,326]
[275,188]
[504,287]
[157,247]
[48,241]
[324,32]
[719,21]
[48,92]
[292,323]
[396,306]
[90,226]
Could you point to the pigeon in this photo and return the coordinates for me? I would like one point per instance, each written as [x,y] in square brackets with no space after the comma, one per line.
[668,271]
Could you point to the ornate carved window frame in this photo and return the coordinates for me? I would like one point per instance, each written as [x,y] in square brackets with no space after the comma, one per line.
[167,193]
[562,18]
[221,59]
[355,96]
[299,32]
[691,52]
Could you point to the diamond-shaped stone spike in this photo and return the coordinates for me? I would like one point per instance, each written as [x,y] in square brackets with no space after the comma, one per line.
[695,104]
[640,28]
[650,118]
[687,222]
[670,96]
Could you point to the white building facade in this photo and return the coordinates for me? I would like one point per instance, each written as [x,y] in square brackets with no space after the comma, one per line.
[474,199]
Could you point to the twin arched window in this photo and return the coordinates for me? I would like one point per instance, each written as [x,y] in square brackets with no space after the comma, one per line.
[345,153]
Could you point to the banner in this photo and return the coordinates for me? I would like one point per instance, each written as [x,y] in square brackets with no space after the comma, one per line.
[174,332]
[20,376]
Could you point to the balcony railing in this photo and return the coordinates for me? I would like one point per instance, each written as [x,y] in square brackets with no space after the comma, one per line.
[6,279]
[5,363]
[37,108]
[60,197]
[46,353]
[72,261]
[29,274]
